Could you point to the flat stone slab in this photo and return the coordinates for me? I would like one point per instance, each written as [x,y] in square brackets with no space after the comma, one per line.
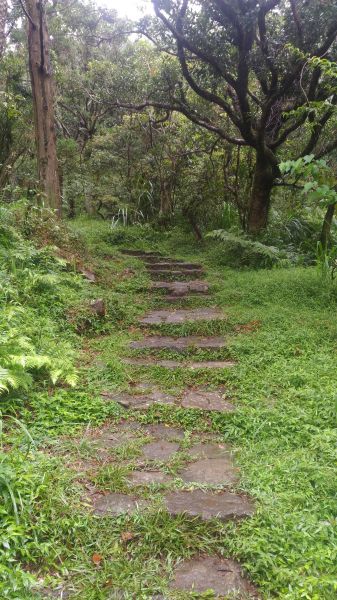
[176,317]
[141,253]
[148,477]
[206,400]
[211,471]
[116,504]
[110,440]
[163,432]
[209,450]
[180,344]
[208,505]
[175,364]
[160,450]
[195,274]
[174,265]
[142,401]
[223,576]
[181,288]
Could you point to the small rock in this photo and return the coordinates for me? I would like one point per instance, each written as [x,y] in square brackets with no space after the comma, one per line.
[98,307]
[148,477]
[208,505]
[88,275]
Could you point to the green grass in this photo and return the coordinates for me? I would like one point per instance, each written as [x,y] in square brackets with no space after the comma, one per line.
[281,330]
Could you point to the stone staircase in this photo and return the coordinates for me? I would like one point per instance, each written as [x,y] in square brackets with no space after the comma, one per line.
[207,473]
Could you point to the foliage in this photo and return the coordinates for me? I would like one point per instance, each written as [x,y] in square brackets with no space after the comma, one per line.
[243,252]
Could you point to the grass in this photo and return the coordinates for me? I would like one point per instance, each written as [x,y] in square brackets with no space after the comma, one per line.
[281,330]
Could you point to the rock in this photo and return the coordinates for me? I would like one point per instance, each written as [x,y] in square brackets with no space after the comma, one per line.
[174,265]
[208,505]
[142,401]
[208,450]
[176,317]
[206,400]
[223,576]
[88,275]
[140,253]
[160,450]
[175,364]
[163,432]
[176,273]
[179,344]
[116,504]
[98,307]
[181,288]
[148,477]
[211,471]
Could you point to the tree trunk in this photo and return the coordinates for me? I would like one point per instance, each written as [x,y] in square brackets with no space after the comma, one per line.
[264,178]
[3,20]
[326,228]
[43,103]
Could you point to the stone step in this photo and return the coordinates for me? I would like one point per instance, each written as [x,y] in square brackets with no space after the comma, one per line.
[180,344]
[116,504]
[208,505]
[174,265]
[177,317]
[181,288]
[176,273]
[156,259]
[174,364]
[140,253]
[223,576]
[193,398]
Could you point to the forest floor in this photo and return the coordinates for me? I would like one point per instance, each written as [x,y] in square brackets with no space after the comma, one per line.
[170,465]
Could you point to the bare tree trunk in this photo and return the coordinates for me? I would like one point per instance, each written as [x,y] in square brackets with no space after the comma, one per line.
[43,103]
[264,178]
[3,20]
[326,228]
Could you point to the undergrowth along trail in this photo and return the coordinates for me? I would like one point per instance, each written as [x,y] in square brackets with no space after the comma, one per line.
[281,333]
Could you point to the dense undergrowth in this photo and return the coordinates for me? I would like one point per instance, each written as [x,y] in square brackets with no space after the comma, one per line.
[281,331]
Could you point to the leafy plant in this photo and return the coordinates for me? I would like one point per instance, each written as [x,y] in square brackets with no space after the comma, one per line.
[241,251]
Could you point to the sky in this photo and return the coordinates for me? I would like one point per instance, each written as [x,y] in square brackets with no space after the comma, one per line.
[128,8]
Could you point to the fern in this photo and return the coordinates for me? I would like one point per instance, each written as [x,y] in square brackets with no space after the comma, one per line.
[242,251]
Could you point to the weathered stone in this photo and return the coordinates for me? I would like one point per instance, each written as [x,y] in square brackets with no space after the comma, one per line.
[176,273]
[160,450]
[98,307]
[181,288]
[88,275]
[211,471]
[209,450]
[206,400]
[116,504]
[141,253]
[179,344]
[174,364]
[208,505]
[174,265]
[163,432]
[223,576]
[148,477]
[110,440]
[177,317]
[141,401]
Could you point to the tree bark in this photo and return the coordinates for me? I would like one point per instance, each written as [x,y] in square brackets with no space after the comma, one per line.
[327,222]
[43,103]
[3,20]
[260,199]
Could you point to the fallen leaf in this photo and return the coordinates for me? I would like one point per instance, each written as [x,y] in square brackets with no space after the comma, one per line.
[127,536]
[96,558]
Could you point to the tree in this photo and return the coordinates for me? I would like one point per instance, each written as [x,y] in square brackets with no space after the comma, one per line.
[245,63]
[43,102]
[3,20]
